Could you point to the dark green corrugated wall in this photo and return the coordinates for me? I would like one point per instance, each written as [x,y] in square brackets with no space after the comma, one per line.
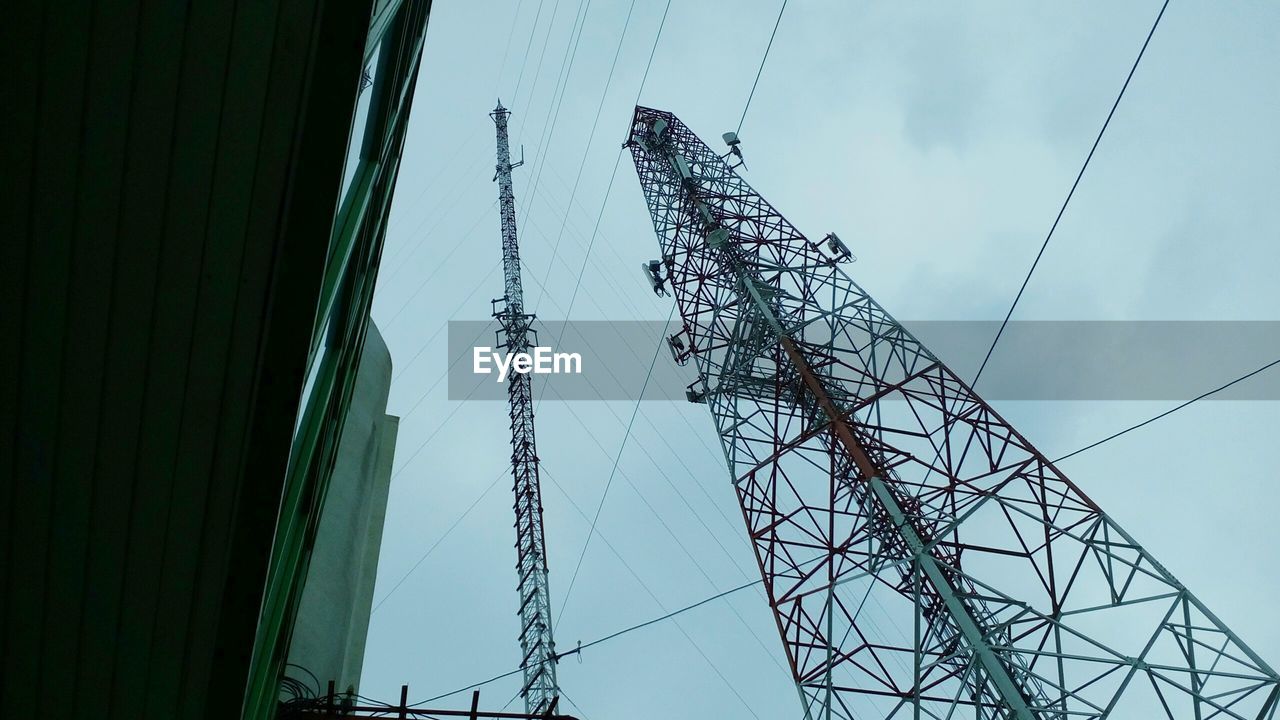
[162,232]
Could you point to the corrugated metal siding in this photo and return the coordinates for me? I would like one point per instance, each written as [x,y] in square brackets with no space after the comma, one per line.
[163,232]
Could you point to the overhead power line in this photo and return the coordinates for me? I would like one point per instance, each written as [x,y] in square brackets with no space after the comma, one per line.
[597,641]
[626,25]
[458,520]
[614,471]
[505,53]
[1170,411]
[574,705]
[1070,193]
[661,618]
[591,241]
[653,596]
[524,63]
[760,70]
[551,120]
[542,54]
[439,265]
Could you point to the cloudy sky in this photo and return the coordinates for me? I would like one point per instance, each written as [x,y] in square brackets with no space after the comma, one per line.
[939,140]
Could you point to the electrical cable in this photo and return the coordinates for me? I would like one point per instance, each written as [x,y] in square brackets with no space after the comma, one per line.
[654,621]
[657,351]
[765,57]
[667,615]
[423,347]
[606,272]
[552,119]
[611,636]
[1170,411]
[443,423]
[443,170]
[440,265]
[733,526]
[513,699]
[609,483]
[515,16]
[626,24]
[439,540]
[403,258]
[472,686]
[675,538]
[564,184]
[613,174]
[581,713]
[662,473]
[671,615]
[524,63]
[445,374]
[1070,193]
[312,691]
[542,54]
[653,461]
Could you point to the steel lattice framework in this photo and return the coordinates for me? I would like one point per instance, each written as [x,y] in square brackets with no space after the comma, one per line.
[537,646]
[874,481]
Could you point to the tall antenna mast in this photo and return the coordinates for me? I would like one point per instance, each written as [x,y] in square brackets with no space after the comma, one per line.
[875,483]
[538,660]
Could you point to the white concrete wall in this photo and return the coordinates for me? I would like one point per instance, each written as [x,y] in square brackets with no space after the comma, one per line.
[333,616]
